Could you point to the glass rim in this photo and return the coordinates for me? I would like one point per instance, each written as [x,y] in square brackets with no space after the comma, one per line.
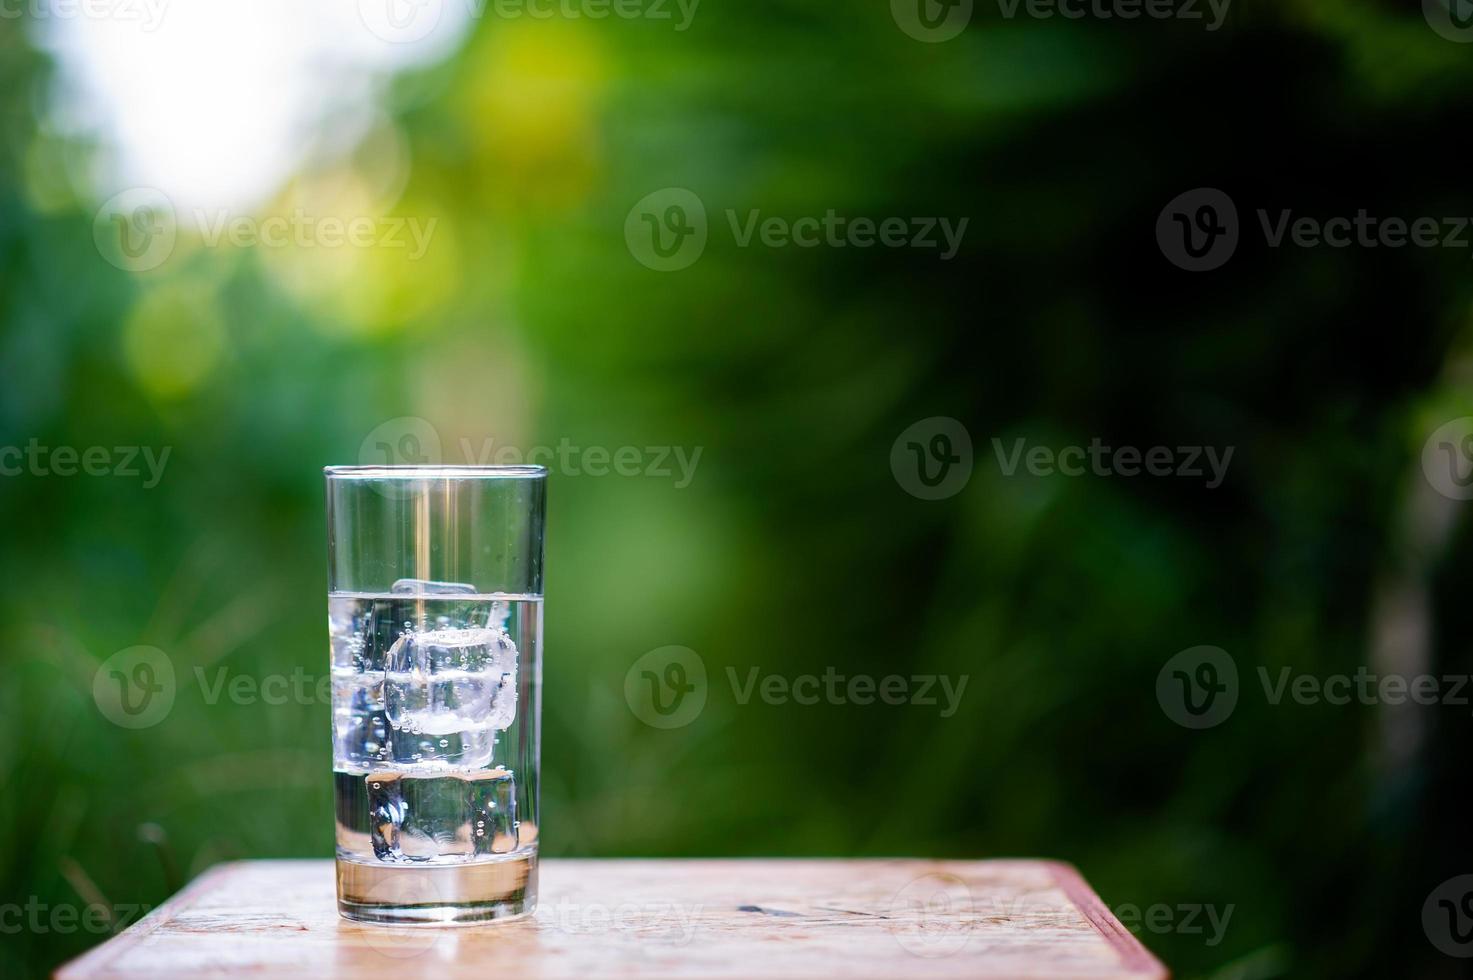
[434,472]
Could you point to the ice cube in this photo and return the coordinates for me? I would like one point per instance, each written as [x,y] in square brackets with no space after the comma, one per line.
[491,799]
[348,624]
[447,692]
[384,623]
[422,586]
[442,817]
[360,724]
[417,819]
[386,813]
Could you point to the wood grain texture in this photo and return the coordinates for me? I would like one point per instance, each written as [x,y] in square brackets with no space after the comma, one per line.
[648,918]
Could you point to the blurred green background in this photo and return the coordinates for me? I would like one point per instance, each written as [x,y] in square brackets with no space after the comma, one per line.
[528,321]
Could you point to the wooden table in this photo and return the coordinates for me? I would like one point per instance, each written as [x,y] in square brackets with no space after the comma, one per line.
[706,918]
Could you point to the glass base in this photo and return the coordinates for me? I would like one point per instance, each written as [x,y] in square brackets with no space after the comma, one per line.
[454,894]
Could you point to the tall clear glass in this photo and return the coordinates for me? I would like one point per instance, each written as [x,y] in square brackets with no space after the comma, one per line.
[435,629]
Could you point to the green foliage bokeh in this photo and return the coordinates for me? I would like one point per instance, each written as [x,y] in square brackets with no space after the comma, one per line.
[792,549]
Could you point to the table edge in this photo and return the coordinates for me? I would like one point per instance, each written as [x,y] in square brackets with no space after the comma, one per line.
[1132,952]
[110,948]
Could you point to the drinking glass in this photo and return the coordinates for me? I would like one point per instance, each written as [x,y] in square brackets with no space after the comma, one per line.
[435,628]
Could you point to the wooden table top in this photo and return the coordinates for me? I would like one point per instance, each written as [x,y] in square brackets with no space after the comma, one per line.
[654,918]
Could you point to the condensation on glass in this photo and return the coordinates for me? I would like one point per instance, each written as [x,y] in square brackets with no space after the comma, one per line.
[435,630]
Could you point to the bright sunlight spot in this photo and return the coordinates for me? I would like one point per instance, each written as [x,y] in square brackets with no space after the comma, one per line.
[218,102]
